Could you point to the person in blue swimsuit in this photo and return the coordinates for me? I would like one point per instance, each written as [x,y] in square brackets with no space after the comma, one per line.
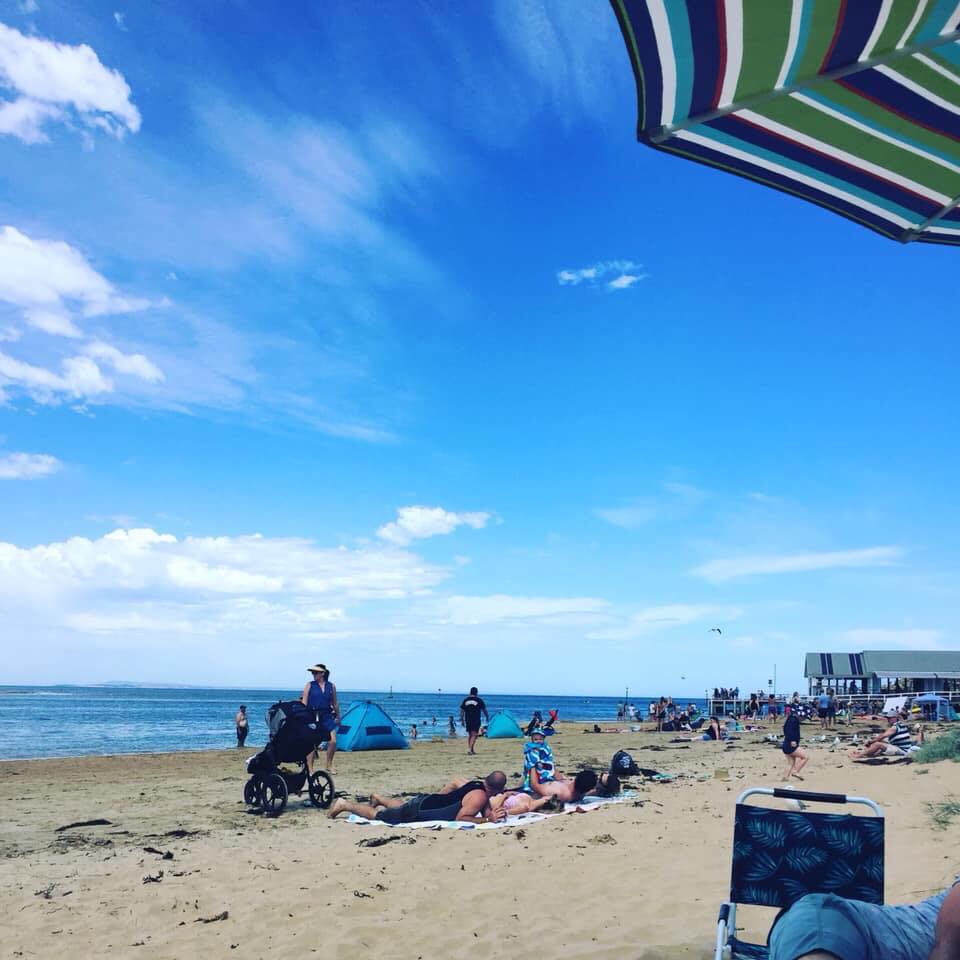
[320,696]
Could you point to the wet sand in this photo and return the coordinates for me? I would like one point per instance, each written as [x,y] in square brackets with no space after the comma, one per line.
[642,879]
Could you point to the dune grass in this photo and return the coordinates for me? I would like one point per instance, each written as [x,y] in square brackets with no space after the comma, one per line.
[945,747]
[943,813]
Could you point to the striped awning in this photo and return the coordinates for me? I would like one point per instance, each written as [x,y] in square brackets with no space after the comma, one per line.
[851,104]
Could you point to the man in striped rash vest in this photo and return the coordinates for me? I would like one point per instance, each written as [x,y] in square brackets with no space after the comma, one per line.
[895,741]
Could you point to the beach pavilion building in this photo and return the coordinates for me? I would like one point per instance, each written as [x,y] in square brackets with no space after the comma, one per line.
[877,672]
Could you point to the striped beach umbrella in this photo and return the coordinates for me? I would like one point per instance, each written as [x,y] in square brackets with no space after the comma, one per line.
[851,104]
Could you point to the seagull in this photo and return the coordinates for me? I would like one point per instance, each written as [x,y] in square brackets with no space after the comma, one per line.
[716,630]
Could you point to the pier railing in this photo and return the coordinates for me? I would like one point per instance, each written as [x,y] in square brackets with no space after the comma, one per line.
[726,706]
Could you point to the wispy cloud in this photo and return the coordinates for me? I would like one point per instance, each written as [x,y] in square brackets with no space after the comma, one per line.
[419,523]
[630,516]
[655,619]
[731,568]
[687,492]
[612,274]
[59,82]
[498,607]
[27,466]
[678,499]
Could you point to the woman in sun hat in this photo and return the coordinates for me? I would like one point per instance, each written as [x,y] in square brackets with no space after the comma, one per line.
[320,696]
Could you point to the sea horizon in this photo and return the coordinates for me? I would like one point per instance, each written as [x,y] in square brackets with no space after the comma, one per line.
[68,720]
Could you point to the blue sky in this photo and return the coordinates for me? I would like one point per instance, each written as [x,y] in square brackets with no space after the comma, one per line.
[369,334]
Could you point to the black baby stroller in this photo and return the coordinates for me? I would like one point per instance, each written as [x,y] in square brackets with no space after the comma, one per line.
[294,734]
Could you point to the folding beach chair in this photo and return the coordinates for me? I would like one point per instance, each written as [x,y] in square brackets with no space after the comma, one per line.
[780,856]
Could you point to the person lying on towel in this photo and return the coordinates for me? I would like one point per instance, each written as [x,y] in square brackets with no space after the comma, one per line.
[564,791]
[463,800]
[515,802]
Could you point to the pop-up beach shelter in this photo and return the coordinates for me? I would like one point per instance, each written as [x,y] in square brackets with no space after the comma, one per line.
[502,726]
[934,707]
[851,104]
[366,726]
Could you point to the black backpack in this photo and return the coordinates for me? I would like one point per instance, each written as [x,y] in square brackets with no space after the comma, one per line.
[623,765]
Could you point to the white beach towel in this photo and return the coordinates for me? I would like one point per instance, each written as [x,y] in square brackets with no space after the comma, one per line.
[584,806]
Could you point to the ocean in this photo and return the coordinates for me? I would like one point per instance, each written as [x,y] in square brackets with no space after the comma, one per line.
[68,721]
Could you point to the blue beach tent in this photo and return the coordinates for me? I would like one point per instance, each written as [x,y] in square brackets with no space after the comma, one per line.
[934,707]
[502,726]
[366,726]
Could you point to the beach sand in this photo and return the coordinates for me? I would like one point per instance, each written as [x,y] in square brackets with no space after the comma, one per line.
[641,880]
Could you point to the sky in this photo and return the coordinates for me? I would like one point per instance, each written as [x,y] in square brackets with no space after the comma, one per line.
[367,333]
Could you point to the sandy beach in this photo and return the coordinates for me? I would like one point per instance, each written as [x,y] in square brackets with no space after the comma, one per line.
[640,879]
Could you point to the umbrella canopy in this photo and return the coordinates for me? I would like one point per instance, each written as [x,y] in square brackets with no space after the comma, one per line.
[851,104]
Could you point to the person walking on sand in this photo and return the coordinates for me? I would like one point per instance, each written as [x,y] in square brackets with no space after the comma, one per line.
[795,754]
[471,708]
[320,696]
[243,725]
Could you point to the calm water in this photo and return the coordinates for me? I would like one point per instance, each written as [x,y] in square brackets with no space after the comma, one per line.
[71,721]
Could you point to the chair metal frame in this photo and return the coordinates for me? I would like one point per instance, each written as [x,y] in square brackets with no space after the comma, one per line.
[727,921]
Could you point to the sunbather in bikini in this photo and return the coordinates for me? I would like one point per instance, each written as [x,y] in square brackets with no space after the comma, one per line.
[515,802]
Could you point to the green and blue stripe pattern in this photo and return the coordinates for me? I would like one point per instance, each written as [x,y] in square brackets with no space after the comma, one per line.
[850,104]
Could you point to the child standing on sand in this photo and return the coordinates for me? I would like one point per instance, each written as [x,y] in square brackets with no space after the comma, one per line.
[792,750]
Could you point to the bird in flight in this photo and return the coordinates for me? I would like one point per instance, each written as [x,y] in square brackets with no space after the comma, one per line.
[716,630]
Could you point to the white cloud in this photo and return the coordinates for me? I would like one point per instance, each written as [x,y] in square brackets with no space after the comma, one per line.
[120,20]
[655,619]
[144,561]
[53,285]
[134,364]
[80,379]
[24,119]
[463,611]
[627,273]
[56,81]
[53,322]
[49,279]
[730,568]
[27,466]
[869,638]
[630,516]
[28,6]
[418,523]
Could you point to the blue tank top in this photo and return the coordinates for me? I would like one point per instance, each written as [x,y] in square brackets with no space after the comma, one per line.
[320,700]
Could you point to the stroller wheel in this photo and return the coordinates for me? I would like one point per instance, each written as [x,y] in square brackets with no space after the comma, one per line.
[251,792]
[273,795]
[320,786]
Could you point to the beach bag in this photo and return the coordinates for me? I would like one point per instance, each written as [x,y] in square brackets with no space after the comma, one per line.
[623,765]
